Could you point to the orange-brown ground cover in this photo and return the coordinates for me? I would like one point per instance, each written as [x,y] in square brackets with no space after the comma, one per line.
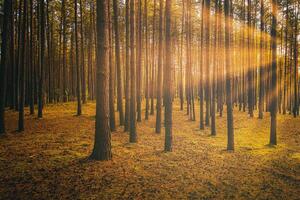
[48,160]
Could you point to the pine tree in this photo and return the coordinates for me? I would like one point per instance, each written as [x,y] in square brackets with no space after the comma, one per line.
[118,64]
[78,74]
[167,78]
[22,65]
[146,59]
[5,57]
[159,71]
[261,68]
[41,59]
[132,135]
[274,97]
[102,144]
[127,81]
[230,133]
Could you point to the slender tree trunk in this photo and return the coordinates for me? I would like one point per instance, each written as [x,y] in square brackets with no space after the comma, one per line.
[78,81]
[230,133]
[17,55]
[11,74]
[50,56]
[73,90]
[201,70]
[22,66]
[244,57]
[187,65]
[261,68]
[296,104]
[5,57]
[117,53]
[127,85]
[63,12]
[82,55]
[181,60]
[132,135]
[102,145]
[213,100]
[31,64]
[153,59]
[207,60]
[250,66]
[41,59]
[146,59]
[111,75]
[285,59]
[274,107]
[159,72]
[168,82]
[90,55]
[139,62]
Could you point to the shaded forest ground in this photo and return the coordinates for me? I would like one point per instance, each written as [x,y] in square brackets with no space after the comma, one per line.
[48,160]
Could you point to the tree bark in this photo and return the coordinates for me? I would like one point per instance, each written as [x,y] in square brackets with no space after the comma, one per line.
[207,60]
[127,84]
[5,57]
[230,130]
[111,76]
[41,59]
[78,74]
[274,101]
[117,54]
[102,144]
[139,61]
[146,59]
[82,56]
[261,68]
[132,135]
[22,66]
[168,81]
[159,72]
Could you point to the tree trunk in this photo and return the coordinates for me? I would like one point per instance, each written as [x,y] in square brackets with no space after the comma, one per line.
[111,76]
[127,84]
[168,81]
[132,135]
[230,133]
[22,66]
[285,59]
[207,60]
[82,56]
[213,89]
[139,61]
[63,12]
[5,57]
[78,74]
[201,70]
[296,104]
[153,59]
[274,107]
[159,72]
[117,53]
[31,64]
[250,75]
[102,144]
[146,59]
[261,68]
[41,59]
[181,59]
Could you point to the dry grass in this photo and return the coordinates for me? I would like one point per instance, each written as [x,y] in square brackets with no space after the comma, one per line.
[48,160]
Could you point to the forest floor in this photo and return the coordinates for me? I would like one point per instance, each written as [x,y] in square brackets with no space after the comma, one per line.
[48,160]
